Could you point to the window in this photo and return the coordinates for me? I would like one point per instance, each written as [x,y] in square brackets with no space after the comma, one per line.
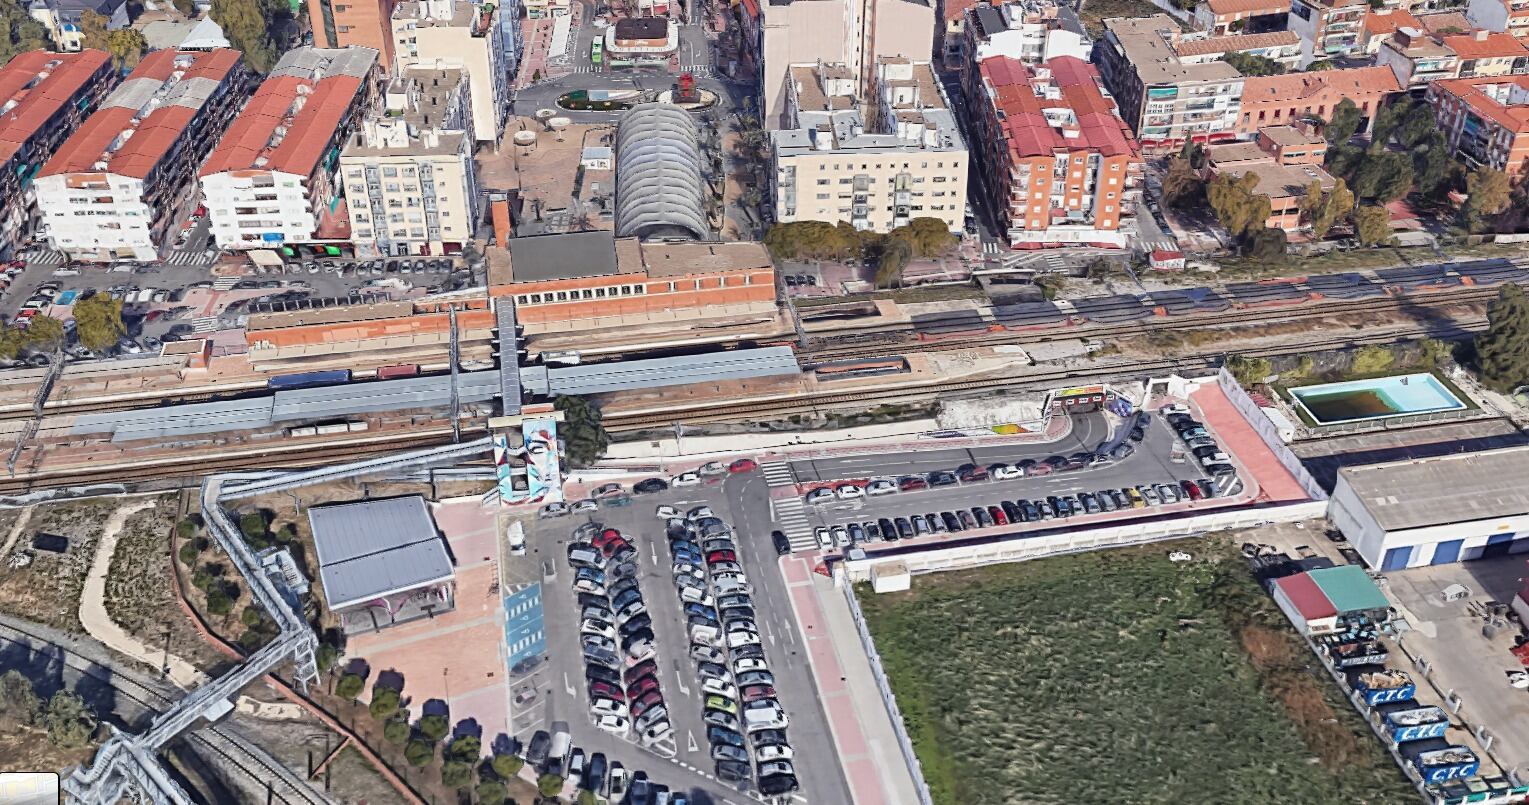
[822,181]
[823,196]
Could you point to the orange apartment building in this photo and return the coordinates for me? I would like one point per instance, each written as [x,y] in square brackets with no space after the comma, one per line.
[1485,120]
[593,276]
[1286,160]
[1057,162]
[1287,99]
[367,23]
[1225,17]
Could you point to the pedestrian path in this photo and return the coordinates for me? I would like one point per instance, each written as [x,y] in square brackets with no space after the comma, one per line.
[44,257]
[1150,246]
[787,510]
[224,283]
[205,324]
[205,257]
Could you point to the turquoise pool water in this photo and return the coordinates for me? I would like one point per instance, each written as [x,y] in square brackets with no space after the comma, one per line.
[1377,398]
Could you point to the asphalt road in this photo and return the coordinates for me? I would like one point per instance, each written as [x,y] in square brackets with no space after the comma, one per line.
[686,764]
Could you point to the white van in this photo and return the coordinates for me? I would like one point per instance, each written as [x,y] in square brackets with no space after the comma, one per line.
[562,745]
[586,557]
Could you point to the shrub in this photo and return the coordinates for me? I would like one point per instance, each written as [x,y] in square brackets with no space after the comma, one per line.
[186,529]
[396,731]
[252,526]
[419,754]
[507,766]
[189,553]
[218,602]
[1372,358]
[384,703]
[19,705]
[70,721]
[549,785]
[433,727]
[1435,353]
[349,687]
[250,616]
[491,792]
[286,534]
[325,656]
[455,774]
[254,639]
[1248,371]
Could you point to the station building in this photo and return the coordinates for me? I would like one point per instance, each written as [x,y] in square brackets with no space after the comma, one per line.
[382,562]
[1434,511]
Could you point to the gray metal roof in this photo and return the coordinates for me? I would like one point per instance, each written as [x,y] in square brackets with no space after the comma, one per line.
[660,188]
[509,347]
[178,420]
[388,395]
[1455,488]
[564,256]
[371,548]
[658,372]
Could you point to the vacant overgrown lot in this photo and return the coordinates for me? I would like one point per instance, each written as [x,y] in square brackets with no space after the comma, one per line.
[1119,677]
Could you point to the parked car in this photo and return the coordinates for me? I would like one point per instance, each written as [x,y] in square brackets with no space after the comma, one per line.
[782,544]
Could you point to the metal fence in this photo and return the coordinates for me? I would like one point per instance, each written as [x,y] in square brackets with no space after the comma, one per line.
[884,687]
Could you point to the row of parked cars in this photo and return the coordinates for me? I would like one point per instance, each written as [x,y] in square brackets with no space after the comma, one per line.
[616,636]
[745,721]
[554,752]
[1207,453]
[970,473]
[1007,512]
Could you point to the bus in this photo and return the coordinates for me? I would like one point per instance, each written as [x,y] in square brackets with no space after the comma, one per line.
[597,52]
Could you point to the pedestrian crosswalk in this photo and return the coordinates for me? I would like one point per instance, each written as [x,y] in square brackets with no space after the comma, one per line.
[44,257]
[1150,246]
[700,70]
[788,511]
[778,473]
[205,257]
[991,247]
[205,324]
[224,283]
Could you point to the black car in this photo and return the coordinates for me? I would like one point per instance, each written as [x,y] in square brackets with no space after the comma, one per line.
[872,532]
[592,600]
[782,544]
[1054,461]
[1012,511]
[778,785]
[952,523]
[1122,451]
[769,738]
[1220,470]
[737,614]
[904,528]
[1207,451]
[984,519]
[1030,510]
[620,586]
[1187,424]
[536,753]
[638,623]
[1207,488]
[1090,503]
[888,530]
[1137,434]
[650,486]
[599,673]
[723,735]
[942,478]
[594,775]
[731,771]
[750,652]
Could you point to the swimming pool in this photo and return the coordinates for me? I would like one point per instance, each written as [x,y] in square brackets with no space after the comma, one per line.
[1376,398]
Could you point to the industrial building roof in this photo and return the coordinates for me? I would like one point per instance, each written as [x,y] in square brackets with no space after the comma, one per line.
[1349,588]
[1455,488]
[562,256]
[372,548]
[660,189]
[658,372]
[1066,111]
[1307,597]
[291,120]
[142,119]
[35,85]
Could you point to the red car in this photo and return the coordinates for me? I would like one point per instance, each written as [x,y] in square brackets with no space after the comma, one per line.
[909,483]
[1191,489]
[999,518]
[645,703]
[757,692]
[610,548]
[606,690]
[604,537]
[642,686]
[639,671]
[743,465]
[721,556]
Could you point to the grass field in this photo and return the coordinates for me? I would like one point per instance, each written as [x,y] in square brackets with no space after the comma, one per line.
[1119,677]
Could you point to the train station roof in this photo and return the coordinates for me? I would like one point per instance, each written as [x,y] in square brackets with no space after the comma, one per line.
[373,548]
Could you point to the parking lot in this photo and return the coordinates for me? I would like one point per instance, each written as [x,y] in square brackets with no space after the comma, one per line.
[684,760]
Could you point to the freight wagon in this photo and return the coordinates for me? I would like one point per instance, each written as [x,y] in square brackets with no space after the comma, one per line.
[1416,724]
[1449,763]
[1379,687]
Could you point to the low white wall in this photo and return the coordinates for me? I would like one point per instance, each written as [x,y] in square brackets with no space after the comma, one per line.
[1269,432]
[702,446]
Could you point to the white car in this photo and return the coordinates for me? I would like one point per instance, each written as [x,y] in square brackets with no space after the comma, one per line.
[712,468]
[819,495]
[599,627]
[849,491]
[607,707]
[585,505]
[841,536]
[742,638]
[706,654]
[699,512]
[614,724]
[666,512]
[719,687]
[685,479]
[765,754]
[747,664]
[825,536]
[1004,472]
[1176,408]
[880,486]
[589,586]
[657,731]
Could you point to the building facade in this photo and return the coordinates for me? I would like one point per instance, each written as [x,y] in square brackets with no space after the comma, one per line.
[1509,16]
[1288,99]
[1165,100]
[410,183]
[1228,17]
[1031,32]
[272,179]
[43,98]
[1056,162]
[455,34]
[1329,29]
[909,162]
[122,184]
[1485,120]
[1286,161]
[362,23]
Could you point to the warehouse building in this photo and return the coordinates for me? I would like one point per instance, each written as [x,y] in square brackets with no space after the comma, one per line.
[1433,511]
[382,562]
[1323,601]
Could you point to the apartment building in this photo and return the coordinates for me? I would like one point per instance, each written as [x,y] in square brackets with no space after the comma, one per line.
[1485,120]
[455,34]
[271,179]
[908,162]
[359,23]
[1281,47]
[121,186]
[43,97]
[853,33]
[1417,58]
[1286,160]
[1288,99]
[1056,162]
[1031,31]
[1508,16]
[1380,25]
[1163,98]
[410,185]
[1226,17]
[1329,29]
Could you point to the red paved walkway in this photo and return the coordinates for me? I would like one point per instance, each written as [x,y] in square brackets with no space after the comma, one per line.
[1274,481]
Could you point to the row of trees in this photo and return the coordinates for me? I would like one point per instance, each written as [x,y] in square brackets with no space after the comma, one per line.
[818,240]
[98,326]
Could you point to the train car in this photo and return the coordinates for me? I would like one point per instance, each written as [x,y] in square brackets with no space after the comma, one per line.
[1449,763]
[838,370]
[401,370]
[330,377]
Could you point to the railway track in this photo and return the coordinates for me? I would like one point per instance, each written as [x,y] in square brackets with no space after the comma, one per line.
[214,743]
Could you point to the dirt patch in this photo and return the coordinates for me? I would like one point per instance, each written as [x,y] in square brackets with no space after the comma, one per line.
[48,590]
[28,749]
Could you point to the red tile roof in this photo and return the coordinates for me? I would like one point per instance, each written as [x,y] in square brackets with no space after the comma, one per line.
[1468,90]
[1380,22]
[155,132]
[35,105]
[308,131]
[1254,7]
[1351,82]
[1024,119]
[1487,45]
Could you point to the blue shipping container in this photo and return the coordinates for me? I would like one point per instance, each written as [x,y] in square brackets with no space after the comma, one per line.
[1383,695]
[1385,686]
[1449,763]
[326,378]
[1418,732]
[1416,724]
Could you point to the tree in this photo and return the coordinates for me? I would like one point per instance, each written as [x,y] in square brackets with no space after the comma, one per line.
[455,774]
[1182,185]
[419,754]
[1345,122]
[127,46]
[812,240]
[253,526]
[325,656]
[189,553]
[187,8]
[1248,371]
[19,705]
[466,748]
[1325,209]
[1266,244]
[549,785]
[1383,177]
[433,727]
[1488,193]
[1372,224]
[349,687]
[1319,65]
[1433,352]
[582,430]
[1235,204]
[1434,170]
[1502,351]
[1251,64]
[70,722]
[93,32]
[507,766]
[247,24]
[892,256]
[218,600]
[12,340]
[98,322]
[929,237]
[586,797]
[491,792]
[396,731]
[21,32]
[250,617]
[384,703]
[45,333]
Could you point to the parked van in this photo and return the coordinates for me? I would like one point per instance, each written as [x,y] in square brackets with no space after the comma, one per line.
[705,635]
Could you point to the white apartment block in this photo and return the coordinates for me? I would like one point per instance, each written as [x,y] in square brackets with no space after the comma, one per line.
[410,186]
[455,34]
[911,163]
